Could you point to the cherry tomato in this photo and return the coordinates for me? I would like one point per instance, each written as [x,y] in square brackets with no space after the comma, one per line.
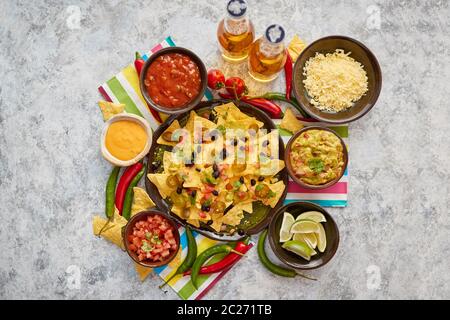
[216,79]
[236,86]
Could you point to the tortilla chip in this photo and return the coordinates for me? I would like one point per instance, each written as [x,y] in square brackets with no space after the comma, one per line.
[271,167]
[194,222]
[229,109]
[172,128]
[178,211]
[190,122]
[177,260]
[192,178]
[247,207]
[295,47]
[141,201]
[195,214]
[142,271]
[171,163]
[217,224]
[111,232]
[110,109]
[290,122]
[159,180]
[278,189]
[243,124]
[234,216]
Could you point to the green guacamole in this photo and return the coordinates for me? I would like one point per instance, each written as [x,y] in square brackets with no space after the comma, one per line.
[317,157]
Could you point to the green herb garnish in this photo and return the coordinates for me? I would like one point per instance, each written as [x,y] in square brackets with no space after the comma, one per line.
[237,184]
[146,247]
[316,165]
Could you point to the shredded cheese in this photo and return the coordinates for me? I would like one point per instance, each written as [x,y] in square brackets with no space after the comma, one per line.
[334,81]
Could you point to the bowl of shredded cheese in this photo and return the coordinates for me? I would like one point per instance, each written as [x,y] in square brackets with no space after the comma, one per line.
[336,79]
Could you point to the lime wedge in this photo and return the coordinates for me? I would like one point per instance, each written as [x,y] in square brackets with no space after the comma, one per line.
[305,226]
[309,238]
[312,215]
[321,238]
[299,248]
[285,230]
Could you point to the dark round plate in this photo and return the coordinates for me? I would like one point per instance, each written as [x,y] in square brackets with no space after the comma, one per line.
[290,258]
[252,223]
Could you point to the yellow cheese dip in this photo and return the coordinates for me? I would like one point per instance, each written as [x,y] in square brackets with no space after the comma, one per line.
[125,139]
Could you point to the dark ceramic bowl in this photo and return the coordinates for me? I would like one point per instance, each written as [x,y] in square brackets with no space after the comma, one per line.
[128,230]
[290,168]
[155,165]
[195,100]
[290,258]
[360,53]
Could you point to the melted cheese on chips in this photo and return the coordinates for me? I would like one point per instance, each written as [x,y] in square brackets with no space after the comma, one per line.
[229,178]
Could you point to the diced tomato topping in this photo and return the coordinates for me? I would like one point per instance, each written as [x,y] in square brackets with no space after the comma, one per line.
[152,239]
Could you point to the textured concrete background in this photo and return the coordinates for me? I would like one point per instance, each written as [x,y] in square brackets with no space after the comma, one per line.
[395,233]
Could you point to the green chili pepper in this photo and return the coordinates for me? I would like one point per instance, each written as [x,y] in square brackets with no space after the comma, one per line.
[273,267]
[278,96]
[111,191]
[205,255]
[126,210]
[190,257]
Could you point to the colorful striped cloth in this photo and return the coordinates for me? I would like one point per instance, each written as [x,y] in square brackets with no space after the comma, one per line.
[124,88]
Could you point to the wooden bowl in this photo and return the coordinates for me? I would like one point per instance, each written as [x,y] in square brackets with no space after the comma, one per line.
[291,170]
[360,53]
[128,230]
[195,100]
[290,258]
[128,117]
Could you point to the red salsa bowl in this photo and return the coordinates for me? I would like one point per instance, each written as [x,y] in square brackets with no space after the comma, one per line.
[151,238]
[173,80]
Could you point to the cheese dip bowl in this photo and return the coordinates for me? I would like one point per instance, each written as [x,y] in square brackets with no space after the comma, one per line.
[126,139]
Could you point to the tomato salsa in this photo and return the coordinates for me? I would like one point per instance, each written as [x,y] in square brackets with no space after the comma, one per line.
[153,239]
[173,80]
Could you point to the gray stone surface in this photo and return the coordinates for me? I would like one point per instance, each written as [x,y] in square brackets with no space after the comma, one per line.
[52,174]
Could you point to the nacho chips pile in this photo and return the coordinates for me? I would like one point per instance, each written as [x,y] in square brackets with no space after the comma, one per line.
[219,165]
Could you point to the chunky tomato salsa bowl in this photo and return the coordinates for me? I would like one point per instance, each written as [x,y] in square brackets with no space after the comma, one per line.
[173,80]
[151,238]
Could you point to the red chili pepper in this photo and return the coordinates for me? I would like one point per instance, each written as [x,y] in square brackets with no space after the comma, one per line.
[270,107]
[124,182]
[288,75]
[139,64]
[226,262]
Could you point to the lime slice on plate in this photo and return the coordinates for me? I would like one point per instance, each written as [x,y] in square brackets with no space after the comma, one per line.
[309,238]
[285,230]
[312,215]
[321,238]
[299,248]
[305,226]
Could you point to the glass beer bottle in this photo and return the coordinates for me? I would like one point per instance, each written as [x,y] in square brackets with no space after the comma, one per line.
[235,32]
[267,55]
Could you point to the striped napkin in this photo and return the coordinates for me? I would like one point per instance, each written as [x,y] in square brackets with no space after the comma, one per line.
[124,88]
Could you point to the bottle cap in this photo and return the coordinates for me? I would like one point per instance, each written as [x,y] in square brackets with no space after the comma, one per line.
[237,8]
[275,33]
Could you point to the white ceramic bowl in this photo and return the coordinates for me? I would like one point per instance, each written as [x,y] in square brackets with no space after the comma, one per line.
[130,117]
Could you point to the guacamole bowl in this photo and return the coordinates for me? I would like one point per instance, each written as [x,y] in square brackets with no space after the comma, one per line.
[320,162]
